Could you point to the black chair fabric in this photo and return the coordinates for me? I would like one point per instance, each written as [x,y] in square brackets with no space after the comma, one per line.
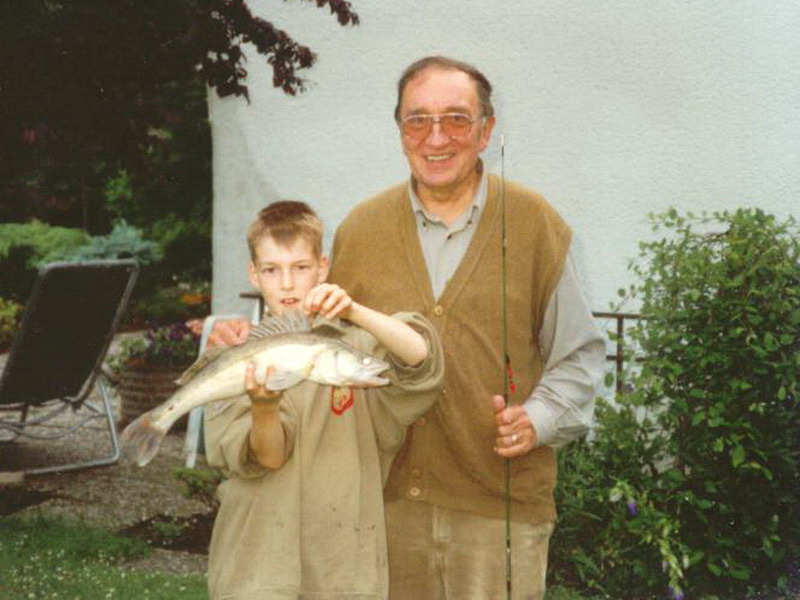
[65,331]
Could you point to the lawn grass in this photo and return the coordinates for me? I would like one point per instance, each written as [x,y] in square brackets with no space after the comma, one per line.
[45,557]
[52,558]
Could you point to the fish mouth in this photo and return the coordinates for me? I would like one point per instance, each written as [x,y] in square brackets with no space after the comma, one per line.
[370,382]
[368,377]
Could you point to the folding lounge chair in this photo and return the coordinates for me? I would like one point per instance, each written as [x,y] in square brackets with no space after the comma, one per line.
[58,352]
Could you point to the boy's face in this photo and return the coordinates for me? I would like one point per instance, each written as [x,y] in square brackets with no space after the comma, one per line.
[284,274]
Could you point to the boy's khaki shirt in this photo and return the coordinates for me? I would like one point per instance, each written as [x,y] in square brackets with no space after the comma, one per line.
[315,526]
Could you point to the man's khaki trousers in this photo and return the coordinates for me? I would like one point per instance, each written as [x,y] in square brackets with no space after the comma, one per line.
[437,553]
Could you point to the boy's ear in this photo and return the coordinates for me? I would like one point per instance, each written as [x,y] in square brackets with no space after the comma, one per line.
[252,274]
[324,268]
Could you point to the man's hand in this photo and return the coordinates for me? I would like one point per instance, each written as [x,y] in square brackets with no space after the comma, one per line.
[516,435]
[229,332]
[329,300]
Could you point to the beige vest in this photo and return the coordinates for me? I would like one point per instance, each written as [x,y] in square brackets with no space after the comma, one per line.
[448,458]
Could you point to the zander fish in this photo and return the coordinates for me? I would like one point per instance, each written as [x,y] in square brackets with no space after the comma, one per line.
[287,345]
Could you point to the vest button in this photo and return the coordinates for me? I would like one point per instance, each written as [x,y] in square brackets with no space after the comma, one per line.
[416,472]
[414,492]
[438,310]
[422,421]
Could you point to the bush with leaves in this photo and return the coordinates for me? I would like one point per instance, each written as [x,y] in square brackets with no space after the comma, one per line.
[712,462]
[10,313]
[124,241]
[200,484]
[49,243]
[187,248]
[176,303]
[24,247]
[613,536]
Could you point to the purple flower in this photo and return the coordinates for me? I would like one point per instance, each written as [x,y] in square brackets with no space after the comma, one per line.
[676,594]
[632,508]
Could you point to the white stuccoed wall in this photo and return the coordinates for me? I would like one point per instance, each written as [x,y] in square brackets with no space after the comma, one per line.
[610,109]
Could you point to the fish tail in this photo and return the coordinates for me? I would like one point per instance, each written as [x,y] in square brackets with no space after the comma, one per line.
[145,436]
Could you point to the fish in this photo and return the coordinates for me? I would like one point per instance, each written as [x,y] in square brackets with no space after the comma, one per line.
[285,344]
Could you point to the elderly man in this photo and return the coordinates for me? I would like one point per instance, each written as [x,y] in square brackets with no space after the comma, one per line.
[434,245]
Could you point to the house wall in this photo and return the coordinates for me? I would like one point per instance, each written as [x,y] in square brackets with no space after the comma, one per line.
[610,109]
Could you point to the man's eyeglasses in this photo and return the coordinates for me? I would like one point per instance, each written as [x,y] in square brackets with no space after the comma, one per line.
[454,125]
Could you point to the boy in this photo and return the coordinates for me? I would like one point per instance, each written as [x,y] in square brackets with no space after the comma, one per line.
[301,513]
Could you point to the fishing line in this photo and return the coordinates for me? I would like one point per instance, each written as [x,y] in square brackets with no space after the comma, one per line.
[507,366]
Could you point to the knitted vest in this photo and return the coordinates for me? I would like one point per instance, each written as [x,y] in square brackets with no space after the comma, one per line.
[448,458]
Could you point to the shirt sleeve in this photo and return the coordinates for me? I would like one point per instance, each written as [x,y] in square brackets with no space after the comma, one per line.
[573,351]
[413,390]
[227,436]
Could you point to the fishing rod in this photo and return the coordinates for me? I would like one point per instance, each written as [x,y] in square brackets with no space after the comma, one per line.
[506,358]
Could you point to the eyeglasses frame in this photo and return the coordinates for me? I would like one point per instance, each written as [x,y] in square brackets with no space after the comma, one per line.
[437,119]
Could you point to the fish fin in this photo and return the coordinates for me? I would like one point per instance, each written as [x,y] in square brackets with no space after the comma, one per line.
[209,356]
[281,380]
[146,436]
[289,322]
[332,328]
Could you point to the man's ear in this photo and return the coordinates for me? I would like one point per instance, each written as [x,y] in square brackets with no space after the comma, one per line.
[324,268]
[486,133]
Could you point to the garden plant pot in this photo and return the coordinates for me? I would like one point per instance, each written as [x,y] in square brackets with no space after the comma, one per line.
[143,387]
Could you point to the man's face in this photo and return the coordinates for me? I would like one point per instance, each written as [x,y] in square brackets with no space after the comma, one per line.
[284,274]
[439,163]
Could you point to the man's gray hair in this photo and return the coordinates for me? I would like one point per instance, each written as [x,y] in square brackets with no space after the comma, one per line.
[442,62]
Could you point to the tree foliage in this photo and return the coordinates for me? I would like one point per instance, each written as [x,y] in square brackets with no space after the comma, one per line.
[91,89]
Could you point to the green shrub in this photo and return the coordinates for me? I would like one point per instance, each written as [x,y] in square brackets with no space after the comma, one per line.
[10,313]
[24,247]
[49,243]
[177,303]
[187,248]
[612,538]
[201,484]
[124,241]
[706,449]
[17,274]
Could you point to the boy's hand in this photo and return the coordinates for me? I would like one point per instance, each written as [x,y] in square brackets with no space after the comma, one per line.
[257,392]
[329,300]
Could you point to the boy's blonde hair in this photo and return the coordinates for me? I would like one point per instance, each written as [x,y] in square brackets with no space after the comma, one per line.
[284,222]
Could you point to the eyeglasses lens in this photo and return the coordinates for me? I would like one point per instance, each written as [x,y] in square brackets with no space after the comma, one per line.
[453,125]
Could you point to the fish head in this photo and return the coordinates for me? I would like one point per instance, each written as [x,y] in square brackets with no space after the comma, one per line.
[344,366]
